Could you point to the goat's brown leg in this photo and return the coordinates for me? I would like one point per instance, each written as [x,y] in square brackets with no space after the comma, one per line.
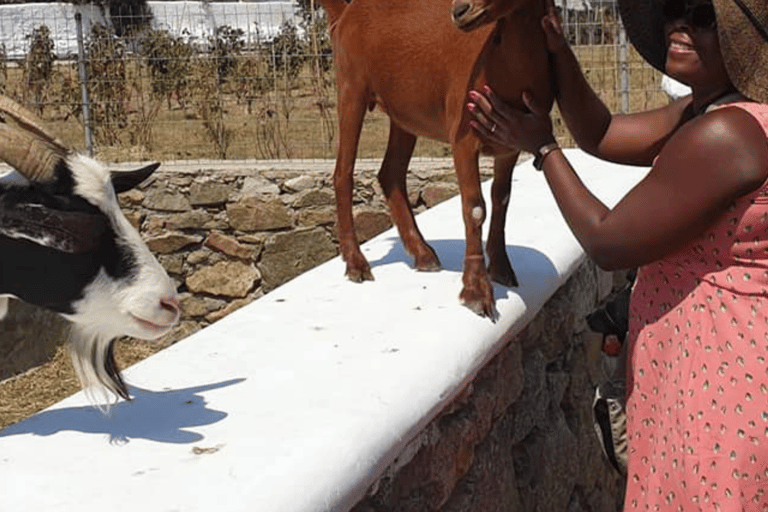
[351,114]
[499,267]
[477,293]
[392,179]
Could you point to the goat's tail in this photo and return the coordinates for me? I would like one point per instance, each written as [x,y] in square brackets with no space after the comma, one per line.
[334,8]
[94,360]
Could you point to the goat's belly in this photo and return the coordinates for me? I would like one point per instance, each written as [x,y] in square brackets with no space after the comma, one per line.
[419,121]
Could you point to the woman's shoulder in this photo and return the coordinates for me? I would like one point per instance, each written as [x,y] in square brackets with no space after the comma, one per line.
[755,110]
[728,144]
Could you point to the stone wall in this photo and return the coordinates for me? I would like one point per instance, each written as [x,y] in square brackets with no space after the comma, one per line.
[520,438]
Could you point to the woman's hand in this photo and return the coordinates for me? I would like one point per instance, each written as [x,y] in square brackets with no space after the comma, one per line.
[499,124]
[553,29]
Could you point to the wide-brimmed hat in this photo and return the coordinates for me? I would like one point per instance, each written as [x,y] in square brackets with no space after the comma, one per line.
[742,28]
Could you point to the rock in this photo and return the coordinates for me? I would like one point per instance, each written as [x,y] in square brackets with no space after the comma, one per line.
[226,278]
[287,255]
[199,256]
[257,186]
[553,464]
[437,193]
[193,306]
[530,410]
[194,219]
[159,199]
[209,193]
[181,331]
[228,246]
[172,263]
[313,198]
[153,225]
[134,218]
[316,217]
[232,306]
[299,184]
[369,223]
[253,214]
[172,242]
[131,197]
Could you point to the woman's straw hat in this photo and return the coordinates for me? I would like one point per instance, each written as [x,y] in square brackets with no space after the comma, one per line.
[742,28]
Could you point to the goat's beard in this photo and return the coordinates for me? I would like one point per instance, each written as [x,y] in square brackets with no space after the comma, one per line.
[93,358]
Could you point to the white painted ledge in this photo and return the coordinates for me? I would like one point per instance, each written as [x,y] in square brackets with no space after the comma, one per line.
[299,401]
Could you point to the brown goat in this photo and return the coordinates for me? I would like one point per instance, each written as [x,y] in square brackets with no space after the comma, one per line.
[409,58]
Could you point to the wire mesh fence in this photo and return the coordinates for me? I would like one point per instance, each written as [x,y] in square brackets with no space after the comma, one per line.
[245,80]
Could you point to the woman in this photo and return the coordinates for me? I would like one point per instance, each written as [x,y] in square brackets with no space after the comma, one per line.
[696,225]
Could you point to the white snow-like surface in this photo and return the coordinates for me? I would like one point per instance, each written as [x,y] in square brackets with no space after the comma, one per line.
[299,401]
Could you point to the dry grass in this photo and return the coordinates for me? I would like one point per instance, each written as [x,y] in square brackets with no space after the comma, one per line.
[292,120]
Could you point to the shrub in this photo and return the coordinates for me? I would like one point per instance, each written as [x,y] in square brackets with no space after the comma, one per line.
[38,67]
[286,54]
[226,45]
[169,60]
[107,84]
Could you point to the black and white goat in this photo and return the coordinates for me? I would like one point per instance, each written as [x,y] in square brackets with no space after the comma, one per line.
[66,246]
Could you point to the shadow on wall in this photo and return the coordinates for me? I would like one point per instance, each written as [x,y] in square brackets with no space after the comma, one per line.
[162,416]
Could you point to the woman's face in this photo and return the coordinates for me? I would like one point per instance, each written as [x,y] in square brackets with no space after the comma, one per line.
[693,49]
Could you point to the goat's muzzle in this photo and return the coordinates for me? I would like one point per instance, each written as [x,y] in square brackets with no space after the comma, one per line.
[467,15]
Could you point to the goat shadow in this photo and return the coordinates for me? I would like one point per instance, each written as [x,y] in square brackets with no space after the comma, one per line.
[529,264]
[161,416]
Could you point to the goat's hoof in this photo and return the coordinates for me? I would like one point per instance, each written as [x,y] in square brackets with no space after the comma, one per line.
[480,303]
[504,275]
[428,264]
[357,275]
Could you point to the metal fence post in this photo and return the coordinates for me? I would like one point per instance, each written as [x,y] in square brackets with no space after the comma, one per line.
[623,69]
[84,85]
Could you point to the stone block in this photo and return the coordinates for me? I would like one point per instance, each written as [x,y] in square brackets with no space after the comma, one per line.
[228,245]
[193,219]
[162,200]
[209,193]
[369,223]
[289,254]
[226,279]
[253,214]
[171,242]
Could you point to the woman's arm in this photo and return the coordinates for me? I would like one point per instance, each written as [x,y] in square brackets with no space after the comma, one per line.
[704,167]
[629,139]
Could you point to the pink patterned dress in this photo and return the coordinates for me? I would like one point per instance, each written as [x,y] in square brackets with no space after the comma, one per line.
[697,410]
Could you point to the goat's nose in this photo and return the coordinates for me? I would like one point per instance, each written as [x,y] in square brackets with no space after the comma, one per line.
[171,305]
[460,8]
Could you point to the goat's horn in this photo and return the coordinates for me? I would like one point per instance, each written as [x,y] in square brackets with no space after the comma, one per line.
[32,156]
[29,121]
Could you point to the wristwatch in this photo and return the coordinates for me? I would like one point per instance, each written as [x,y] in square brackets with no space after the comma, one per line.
[538,161]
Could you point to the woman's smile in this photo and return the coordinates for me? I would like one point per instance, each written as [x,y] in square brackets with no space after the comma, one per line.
[680,44]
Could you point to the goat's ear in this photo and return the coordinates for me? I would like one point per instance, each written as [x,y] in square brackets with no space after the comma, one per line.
[123,181]
[71,232]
